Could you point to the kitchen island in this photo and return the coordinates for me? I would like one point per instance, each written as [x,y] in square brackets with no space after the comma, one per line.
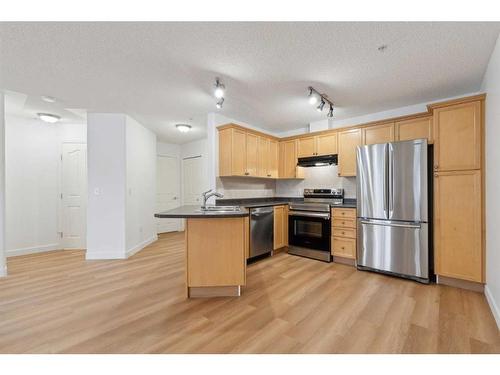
[216,247]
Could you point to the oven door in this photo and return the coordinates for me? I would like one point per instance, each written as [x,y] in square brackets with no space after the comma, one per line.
[309,229]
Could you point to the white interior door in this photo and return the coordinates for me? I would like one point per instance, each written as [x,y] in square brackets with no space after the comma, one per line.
[193,180]
[167,189]
[74,195]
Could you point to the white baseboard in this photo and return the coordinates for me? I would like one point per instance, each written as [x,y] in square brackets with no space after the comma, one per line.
[141,245]
[33,250]
[493,305]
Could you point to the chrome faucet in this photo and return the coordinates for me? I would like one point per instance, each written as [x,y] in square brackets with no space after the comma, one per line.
[207,194]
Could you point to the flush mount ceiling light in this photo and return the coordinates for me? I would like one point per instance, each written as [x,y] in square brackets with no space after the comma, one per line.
[315,96]
[48,99]
[219,89]
[183,128]
[47,117]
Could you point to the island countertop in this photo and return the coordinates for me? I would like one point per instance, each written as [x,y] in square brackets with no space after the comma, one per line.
[194,212]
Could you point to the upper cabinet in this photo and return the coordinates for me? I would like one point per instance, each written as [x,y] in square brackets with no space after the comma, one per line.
[245,153]
[417,128]
[457,137]
[382,133]
[324,144]
[288,160]
[349,140]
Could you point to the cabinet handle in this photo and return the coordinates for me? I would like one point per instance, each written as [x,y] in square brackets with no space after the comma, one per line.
[268,175]
[246,173]
[343,248]
[436,175]
[436,167]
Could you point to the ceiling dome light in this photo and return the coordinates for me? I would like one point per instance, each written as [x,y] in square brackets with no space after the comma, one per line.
[219,89]
[183,128]
[321,105]
[47,117]
[219,103]
[330,112]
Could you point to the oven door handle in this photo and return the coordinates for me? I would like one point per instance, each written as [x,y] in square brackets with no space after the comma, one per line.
[309,214]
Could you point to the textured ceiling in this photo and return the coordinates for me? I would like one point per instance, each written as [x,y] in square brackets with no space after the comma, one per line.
[162,73]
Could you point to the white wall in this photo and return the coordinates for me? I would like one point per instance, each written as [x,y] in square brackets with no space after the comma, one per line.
[3,263]
[107,181]
[491,85]
[141,186]
[122,186]
[199,148]
[32,185]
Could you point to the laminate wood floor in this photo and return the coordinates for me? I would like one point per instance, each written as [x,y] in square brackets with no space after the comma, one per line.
[57,302]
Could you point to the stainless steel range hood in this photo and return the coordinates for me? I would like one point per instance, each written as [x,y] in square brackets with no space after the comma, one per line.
[317,161]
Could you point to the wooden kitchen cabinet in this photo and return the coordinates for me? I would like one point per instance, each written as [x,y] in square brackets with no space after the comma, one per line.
[458,241]
[252,143]
[273,160]
[325,144]
[288,160]
[306,147]
[344,233]
[232,152]
[348,141]
[280,227]
[382,133]
[263,157]
[417,128]
[457,137]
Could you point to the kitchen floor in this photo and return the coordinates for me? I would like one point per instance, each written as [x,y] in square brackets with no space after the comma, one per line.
[58,302]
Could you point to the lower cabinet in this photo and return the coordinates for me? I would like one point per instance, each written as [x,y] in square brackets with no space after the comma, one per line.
[458,233]
[344,233]
[280,226]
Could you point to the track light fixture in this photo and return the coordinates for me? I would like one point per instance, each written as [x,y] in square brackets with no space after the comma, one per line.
[330,112]
[315,96]
[219,92]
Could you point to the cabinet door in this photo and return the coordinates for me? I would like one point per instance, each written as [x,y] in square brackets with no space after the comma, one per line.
[263,157]
[225,152]
[383,133]
[326,144]
[273,159]
[288,159]
[457,137]
[414,129]
[252,162]
[306,147]
[279,230]
[348,141]
[458,225]
[238,153]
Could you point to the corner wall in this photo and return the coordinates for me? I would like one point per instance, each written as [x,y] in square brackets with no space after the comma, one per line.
[491,85]
[3,263]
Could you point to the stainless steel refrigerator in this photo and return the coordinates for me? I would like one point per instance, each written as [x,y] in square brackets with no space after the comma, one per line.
[392,209]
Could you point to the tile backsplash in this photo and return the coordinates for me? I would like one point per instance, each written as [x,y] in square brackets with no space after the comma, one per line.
[314,177]
[317,177]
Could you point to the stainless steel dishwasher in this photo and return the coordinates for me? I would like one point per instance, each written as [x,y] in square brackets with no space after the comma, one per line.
[261,230]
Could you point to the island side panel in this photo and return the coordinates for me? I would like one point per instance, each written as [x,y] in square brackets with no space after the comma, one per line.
[216,252]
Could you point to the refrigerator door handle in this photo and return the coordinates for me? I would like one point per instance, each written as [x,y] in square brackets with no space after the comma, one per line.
[386,180]
[386,224]
[391,181]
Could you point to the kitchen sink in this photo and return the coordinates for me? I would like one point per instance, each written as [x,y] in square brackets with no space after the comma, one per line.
[220,209]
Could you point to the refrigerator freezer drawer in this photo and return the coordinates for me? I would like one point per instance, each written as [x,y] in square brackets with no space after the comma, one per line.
[396,247]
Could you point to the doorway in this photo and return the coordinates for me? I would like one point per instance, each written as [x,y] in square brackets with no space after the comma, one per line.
[74,195]
[167,191]
[193,180]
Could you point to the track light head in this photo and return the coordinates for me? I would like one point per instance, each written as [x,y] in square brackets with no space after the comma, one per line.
[219,89]
[321,105]
[313,98]
[330,112]
[219,103]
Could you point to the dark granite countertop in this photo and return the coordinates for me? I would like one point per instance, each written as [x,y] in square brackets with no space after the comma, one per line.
[184,212]
[275,201]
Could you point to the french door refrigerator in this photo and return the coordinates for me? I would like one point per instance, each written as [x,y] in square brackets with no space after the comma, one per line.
[392,197]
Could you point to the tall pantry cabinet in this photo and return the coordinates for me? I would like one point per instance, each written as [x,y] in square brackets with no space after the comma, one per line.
[459,189]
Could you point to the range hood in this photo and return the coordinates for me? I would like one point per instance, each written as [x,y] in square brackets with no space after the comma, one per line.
[318,161]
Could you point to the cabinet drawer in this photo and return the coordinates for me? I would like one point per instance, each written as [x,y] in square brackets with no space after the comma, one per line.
[344,247]
[344,212]
[339,222]
[344,232]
